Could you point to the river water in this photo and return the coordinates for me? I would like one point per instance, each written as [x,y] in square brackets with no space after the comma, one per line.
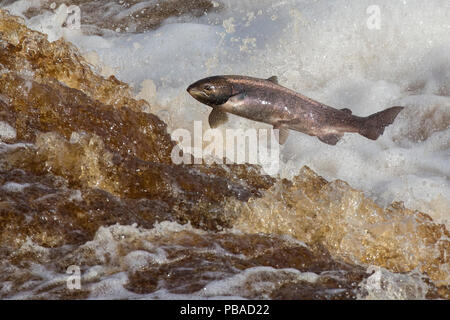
[88,187]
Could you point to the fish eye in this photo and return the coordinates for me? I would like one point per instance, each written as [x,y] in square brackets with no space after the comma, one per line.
[208,87]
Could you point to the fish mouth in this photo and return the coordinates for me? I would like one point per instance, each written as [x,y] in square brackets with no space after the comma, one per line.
[190,88]
[195,92]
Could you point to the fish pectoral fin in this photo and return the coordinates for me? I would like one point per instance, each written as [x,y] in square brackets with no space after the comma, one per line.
[217,117]
[239,97]
[283,134]
[346,110]
[331,139]
[273,79]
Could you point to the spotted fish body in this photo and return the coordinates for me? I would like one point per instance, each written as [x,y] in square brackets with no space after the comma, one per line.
[264,100]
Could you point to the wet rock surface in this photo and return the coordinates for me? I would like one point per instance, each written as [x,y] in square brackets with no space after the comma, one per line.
[350,226]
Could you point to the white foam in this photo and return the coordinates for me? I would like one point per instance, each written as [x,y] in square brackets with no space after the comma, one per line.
[15,187]
[257,279]
[4,147]
[7,132]
[76,196]
[112,287]
[139,259]
[385,285]
[21,6]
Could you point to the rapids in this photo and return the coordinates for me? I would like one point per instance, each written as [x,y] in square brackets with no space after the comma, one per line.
[87,180]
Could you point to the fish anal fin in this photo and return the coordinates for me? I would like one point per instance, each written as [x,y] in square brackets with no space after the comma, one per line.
[283,134]
[331,139]
[217,117]
[273,79]
[346,110]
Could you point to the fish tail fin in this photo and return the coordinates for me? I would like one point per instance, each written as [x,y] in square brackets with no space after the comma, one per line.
[373,126]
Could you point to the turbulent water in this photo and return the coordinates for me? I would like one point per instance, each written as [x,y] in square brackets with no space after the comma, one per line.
[88,187]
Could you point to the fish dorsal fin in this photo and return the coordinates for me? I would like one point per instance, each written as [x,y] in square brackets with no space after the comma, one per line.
[273,79]
[346,110]
[217,117]
[283,134]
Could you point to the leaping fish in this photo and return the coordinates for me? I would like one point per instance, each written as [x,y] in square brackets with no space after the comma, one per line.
[264,100]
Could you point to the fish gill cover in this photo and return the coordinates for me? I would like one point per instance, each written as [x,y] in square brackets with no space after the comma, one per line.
[87,180]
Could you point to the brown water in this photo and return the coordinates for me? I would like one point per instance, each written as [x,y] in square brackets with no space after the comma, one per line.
[87,180]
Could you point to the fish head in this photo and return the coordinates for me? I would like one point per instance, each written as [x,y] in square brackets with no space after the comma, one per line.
[212,91]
